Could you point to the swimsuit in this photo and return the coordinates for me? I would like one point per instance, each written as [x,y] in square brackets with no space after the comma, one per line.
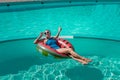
[52,43]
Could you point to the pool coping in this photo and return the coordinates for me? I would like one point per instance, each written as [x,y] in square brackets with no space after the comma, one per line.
[2,1]
[70,1]
[67,2]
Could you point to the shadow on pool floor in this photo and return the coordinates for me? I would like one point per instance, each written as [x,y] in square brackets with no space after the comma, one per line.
[84,73]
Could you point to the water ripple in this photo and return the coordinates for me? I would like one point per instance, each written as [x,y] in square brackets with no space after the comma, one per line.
[108,66]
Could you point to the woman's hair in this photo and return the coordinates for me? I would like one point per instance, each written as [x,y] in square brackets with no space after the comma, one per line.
[46,31]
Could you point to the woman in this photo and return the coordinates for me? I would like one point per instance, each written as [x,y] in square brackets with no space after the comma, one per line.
[51,41]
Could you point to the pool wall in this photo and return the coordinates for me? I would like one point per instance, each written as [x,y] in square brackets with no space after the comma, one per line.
[86,20]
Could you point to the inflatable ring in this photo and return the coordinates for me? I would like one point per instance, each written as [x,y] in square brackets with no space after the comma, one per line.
[45,49]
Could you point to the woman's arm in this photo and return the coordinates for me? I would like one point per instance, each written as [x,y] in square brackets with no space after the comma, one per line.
[38,38]
[59,30]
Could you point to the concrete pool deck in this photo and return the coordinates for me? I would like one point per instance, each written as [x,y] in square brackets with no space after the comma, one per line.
[2,1]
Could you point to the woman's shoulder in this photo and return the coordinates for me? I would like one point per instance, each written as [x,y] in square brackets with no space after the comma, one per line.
[53,37]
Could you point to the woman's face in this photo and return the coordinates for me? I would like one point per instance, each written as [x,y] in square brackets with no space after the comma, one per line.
[47,34]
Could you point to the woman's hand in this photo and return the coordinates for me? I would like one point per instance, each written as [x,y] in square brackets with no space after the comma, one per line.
[41,33]
[59,29]
[38,38]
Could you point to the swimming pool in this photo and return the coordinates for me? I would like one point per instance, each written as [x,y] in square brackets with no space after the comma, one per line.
[96,38]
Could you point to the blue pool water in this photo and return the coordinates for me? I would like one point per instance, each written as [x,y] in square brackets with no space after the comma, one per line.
[23,62]
[96,25]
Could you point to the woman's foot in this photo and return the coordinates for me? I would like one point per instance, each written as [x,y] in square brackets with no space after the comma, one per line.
[79,60]
[84,62]
[87,60]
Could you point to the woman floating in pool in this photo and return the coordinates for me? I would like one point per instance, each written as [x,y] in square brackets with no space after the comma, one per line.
[51,41]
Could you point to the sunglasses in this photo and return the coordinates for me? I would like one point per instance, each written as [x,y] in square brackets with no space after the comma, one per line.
[46,32]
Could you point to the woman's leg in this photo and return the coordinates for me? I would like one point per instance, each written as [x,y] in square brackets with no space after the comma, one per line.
[69,50]
[78,56]
[72,55]
[79,60]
